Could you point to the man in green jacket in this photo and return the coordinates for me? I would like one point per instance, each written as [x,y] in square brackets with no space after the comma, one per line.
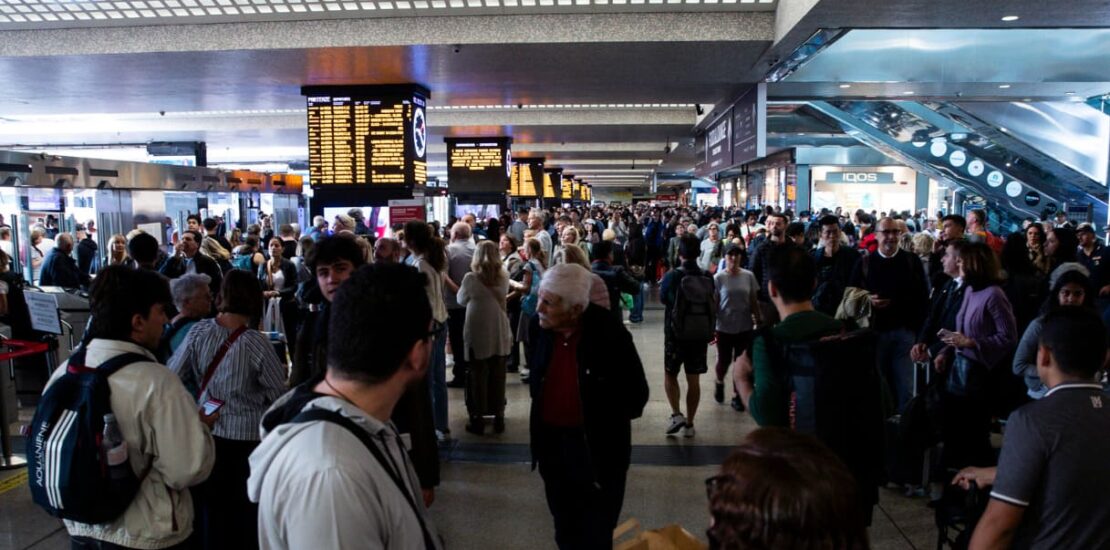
[764,390]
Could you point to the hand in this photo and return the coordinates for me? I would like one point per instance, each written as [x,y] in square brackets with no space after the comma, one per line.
[879,303]
[429,496]
[209,419]
[957,340]
[980,476]
[940,364]
[919,353]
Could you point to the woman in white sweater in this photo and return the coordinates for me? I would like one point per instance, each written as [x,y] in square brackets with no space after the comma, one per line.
[487,337]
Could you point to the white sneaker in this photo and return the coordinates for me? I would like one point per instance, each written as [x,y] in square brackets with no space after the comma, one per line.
[677,423]
[688,431]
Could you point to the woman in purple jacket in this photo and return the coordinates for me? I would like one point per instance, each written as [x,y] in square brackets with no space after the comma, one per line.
[985,337]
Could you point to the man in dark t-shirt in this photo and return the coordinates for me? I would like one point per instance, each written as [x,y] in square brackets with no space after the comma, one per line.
[1050,486]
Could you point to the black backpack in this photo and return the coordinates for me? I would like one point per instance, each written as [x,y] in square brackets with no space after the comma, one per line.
[694,317]
[69,475]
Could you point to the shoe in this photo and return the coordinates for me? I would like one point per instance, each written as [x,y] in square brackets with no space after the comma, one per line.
[443,437]
[499,425]
[737,404]
[677,423]
[688,431]
[456,383]
[476,426]
[524,378]
[719,392]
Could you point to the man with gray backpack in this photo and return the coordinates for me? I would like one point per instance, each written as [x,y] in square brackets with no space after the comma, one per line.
[689,322]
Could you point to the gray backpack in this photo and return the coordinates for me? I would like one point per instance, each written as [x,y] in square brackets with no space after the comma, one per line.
[694,318]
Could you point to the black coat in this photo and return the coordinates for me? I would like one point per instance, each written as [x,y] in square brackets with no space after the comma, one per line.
[60,269]
[612,387]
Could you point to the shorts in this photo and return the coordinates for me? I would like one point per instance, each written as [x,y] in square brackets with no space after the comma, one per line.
[691,355]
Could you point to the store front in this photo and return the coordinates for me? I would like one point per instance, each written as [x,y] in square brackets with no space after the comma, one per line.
[869,188]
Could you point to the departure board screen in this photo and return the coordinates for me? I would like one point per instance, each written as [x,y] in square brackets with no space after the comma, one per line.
[567,191]
[478,165]
[367,136]
[527,177]
[552,183]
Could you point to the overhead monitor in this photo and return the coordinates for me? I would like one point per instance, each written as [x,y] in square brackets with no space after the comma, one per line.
[567,191]
[527,178]
[372,137]
[552,183]
[478,165]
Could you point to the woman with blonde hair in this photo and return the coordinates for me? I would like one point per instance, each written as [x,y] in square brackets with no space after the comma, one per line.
[486,336]
[117,252]
[213,249]
[535,263]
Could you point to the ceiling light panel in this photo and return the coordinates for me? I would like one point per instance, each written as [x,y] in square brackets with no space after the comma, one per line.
[31,14]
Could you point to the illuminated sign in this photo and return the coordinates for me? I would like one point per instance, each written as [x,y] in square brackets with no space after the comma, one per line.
[367,136]
[567,191]
[527,177]
[478,165]
[718,152]
[552,183]
[859,177]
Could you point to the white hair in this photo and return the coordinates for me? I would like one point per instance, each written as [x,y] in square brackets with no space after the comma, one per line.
[570,282]
[460,231]
[187,286]
[319,221]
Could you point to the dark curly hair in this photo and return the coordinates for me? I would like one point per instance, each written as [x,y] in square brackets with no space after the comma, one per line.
[784,489]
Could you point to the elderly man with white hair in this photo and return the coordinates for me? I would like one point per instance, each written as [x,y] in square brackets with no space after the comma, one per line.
[459,254]
[193,299]
[587,385]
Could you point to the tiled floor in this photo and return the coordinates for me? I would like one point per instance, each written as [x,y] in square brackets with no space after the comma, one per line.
[491,499]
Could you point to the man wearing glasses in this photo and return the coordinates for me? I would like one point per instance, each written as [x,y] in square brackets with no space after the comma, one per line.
[899,303]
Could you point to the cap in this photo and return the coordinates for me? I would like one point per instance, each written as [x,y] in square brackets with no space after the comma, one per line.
[1085,227]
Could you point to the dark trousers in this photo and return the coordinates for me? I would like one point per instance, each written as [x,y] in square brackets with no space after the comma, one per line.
[513,364]
[730,347]
[654,254]
[456,320]
[966,432]
[585,502]
[225,517]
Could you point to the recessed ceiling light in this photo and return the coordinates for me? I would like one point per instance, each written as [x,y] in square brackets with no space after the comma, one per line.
[1069,93]
[907,92]
[1010,18]
[845,86]
[1004,86]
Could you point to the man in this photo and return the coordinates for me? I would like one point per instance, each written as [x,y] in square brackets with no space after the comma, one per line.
[899,302]
[535,223]
[87,250]
[387,251]
[835,263]
[192,223]
[319,228]
[288,241]
[459,254]
[945,303]
[760,264]
[679,352]
[1092,254]
[317,482]
[616,278]
[360,221]
[1050,484]
[977,230]
[143,248]
[188,259]
[59,268]
[169,447]
[212,231]
[953,228]
[673,261]
[587,386]
[516,229]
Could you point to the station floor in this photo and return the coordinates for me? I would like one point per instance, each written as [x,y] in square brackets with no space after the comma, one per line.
[490,498]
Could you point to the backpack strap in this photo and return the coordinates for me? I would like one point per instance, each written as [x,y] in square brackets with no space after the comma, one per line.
[76,364]
[219,357]
[317,414]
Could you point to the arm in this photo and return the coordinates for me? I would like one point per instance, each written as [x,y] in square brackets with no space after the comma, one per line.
[766,394]
[1025,358]
[997,526]
[993,347]
[450,283]
[665,288]
[463,292]
[182,363]
[269,369]
[626,282]
[182,447]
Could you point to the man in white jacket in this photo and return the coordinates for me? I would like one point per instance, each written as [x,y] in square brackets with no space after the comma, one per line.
[318,482]
[166,435]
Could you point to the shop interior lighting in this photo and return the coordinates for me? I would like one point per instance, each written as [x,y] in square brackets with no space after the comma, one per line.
[1010,18]
[845,86]
[1004,86]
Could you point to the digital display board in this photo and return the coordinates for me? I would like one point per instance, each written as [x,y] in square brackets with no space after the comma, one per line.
[749,126]
[478,165]
[718,143]
[567,191]
[367,136]
[527,177]
[552,183]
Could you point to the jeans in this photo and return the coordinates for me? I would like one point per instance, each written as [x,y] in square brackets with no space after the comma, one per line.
[637,313]
[437,379]
[896,367]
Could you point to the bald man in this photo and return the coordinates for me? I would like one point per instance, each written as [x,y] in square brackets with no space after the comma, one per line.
[59,268]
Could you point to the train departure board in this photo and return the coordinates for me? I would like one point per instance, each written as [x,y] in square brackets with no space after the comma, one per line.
[478,165]
[552,183]
[567,190]
[527,178]
[367,136]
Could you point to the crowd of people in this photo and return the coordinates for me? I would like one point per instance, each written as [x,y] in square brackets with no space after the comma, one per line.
[833,324]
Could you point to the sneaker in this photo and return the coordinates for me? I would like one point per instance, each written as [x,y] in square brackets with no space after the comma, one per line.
[688,431]
[677,423]
[737,404]
[719,392]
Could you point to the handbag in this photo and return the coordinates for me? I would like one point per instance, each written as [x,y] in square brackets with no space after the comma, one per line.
[967,377]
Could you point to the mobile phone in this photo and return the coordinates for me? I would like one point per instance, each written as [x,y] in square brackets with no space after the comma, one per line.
[943,333]
[211,406]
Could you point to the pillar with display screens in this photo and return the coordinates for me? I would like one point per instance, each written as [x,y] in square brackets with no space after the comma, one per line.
[552,187]
[367,144]
[478,171]
[526,181]
[566,190]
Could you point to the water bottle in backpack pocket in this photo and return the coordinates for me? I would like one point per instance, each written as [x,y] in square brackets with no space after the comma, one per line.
[77,459]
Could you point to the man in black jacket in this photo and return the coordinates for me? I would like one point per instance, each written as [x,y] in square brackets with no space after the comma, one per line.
[761,262]
[59,268]
[87,250]
[587,385]
[617,278]
[188,259]
[834,267]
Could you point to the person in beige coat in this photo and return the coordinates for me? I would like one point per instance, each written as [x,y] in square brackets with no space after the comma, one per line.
[487,337]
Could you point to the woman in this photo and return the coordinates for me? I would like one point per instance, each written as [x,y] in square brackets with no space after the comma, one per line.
[1025,284]
[1060,246]
[117,252]
[868,239]
[486,336]
[429,256]
[247,257]
[234,366]
[193,299]
[235,238]
[213,249]
[737,289]
[528,289]
[568,238]
[1034,244]
[514,266]
[985,335]
[922,246]
[1071,286]
[37,254]
[635,253]
[783,489]
[278,277]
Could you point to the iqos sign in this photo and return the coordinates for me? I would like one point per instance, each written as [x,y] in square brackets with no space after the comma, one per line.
[859,177]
